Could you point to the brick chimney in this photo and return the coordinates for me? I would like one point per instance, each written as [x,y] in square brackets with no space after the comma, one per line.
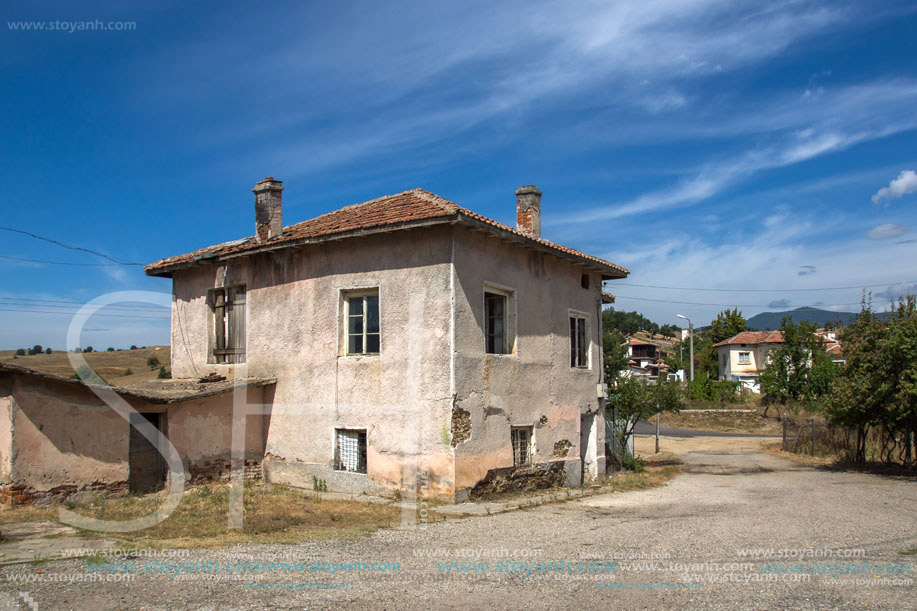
[268,213]
[528,210]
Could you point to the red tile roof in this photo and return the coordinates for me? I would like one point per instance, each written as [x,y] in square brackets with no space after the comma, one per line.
[403,210]
[753,337]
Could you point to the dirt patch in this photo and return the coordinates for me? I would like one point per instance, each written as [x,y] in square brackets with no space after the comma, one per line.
[645,446]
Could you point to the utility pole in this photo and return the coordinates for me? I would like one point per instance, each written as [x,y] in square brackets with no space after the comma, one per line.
[691,335]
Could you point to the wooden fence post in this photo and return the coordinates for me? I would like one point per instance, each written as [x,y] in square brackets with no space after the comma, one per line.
[784,431]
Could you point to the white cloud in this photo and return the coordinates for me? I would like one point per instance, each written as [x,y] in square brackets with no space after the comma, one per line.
[904,184]
[886,232]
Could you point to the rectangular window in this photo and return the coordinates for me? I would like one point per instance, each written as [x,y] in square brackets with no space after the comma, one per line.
[228,308]
[350,450]
[521,437]
[579,344]
[361,317]
[744,358]
[495,306]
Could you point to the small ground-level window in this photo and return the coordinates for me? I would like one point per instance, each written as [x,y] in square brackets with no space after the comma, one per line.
[350,450]
[578,342]
[521,437]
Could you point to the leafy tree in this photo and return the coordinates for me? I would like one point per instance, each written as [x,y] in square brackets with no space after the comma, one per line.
[20,352]
[614,355]
[36,349]
[48,351]
[634,399]
[87,349]
[110,349]
[726,324]
[799,369]
[133,347]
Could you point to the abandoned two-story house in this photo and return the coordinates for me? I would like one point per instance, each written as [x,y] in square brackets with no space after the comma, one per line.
[404,343]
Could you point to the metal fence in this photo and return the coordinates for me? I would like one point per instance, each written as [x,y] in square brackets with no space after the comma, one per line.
[816,437]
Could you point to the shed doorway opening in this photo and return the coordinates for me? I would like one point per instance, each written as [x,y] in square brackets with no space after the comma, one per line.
[146,471]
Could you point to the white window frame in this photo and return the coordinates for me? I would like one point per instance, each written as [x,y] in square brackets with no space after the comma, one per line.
[509,317]
[575,314]
[346,296]
[747,358]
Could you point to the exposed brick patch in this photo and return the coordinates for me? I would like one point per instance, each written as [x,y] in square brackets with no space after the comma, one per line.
[562,448]
[219,469]
[20,494]
[461,426]
[520,479]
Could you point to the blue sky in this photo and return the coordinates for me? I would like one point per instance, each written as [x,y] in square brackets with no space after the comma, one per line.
[702,144]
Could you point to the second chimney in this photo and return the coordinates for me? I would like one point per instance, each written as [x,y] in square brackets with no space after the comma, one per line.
[528,210]
[268,212]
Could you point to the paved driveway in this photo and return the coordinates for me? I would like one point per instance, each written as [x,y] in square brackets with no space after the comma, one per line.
[678,546]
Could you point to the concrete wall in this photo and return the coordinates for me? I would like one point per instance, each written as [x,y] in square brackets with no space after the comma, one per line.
[401,397]
[534,385]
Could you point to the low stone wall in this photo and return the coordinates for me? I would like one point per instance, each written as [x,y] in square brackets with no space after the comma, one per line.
[20,494]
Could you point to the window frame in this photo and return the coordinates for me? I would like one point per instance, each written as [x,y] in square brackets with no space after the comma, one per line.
[529,431]
[362,444]
[220,310]
[508,296]
[345,334]
[746,360]
[580,344]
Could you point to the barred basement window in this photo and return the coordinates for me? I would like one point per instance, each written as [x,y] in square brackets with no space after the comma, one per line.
[521,437]
[578,343]
[361,315]
[350,450]
[228,308]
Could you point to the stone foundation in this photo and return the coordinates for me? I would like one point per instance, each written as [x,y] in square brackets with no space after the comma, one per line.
[521,479]
[20,494]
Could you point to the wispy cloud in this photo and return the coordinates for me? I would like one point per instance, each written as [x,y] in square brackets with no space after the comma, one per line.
[886,232]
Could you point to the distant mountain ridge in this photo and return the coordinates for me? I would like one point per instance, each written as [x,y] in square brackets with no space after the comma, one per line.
[769,321]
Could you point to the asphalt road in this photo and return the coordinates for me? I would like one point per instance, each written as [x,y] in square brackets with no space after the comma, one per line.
[682,546]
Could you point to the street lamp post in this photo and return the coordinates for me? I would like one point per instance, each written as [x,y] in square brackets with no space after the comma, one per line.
[691,335]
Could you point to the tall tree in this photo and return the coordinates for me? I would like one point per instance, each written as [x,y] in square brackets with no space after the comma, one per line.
[726,324]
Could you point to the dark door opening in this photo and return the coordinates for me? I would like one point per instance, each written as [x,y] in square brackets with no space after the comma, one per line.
[145,465]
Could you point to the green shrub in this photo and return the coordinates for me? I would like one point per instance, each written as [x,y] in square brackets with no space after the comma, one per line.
[163,374]
[631,463]
[47,351]
[20,352]
[128,372]
[152,362]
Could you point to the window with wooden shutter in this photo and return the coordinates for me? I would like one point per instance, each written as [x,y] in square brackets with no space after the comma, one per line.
[228,306]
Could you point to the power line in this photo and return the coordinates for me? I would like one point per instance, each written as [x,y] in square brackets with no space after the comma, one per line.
[72,313]
[61,262]
[70,246]
[42,302]
[728,305]
[835,288]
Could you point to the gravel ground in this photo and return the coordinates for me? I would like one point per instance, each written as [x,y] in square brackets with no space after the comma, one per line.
[688,532]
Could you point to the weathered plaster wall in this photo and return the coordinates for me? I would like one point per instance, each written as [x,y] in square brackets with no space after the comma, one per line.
[64,435]
[6,435]
[293,324]
[534,385]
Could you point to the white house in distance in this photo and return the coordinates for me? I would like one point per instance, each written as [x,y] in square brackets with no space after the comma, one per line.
[743,356]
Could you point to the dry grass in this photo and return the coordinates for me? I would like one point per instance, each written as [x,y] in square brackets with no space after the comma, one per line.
[728,419]
[651,477]
[110,365]
[273,514]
